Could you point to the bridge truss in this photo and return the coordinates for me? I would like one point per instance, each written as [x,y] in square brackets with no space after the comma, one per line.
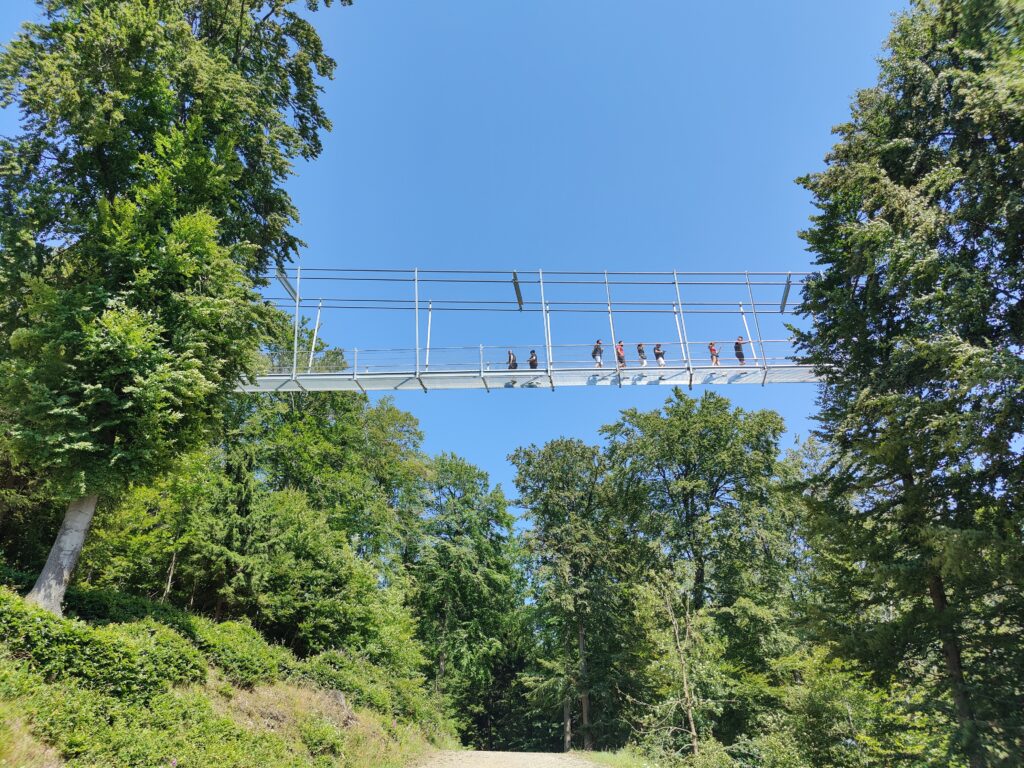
[563,314]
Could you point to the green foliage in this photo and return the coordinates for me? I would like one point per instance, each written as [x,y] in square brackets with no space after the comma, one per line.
[916,334]
[141,202]
[322,737]
[211,536]
[365,684]
[131,664]
[173,658]
[178,643]
[468,592]
[239,651]
[80,688]
[371,686]
[125,345]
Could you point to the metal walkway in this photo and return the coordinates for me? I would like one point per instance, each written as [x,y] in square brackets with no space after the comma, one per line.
[747,311]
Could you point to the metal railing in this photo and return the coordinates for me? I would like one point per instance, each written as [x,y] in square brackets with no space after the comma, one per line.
[494,358]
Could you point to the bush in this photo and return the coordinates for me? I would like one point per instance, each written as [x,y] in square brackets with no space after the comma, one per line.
[364,684]
[235,647]
[240,652]
[102,606]
[321,737]
[173,657]
[368,685]
[65,649]
[712,755]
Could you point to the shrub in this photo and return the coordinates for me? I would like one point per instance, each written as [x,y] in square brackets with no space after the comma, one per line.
[321,736]
[235,647]
[173,657]
[67,649]
[240,652]
[104,606]
[364,684]
[712,755]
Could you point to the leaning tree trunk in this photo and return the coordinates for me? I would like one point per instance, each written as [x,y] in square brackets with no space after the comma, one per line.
[49,589]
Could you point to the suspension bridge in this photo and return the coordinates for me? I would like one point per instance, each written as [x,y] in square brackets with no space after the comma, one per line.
[676,329]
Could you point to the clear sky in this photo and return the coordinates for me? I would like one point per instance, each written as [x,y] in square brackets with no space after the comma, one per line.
[577,134]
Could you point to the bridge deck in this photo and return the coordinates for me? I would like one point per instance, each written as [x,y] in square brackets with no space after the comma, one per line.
[348,381]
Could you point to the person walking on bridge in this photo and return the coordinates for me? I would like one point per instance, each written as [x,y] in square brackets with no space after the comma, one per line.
[533,359]
[512,364]
[620,354]
[659,355]
[598,354]
[642,354]
[738,349]
[713,351]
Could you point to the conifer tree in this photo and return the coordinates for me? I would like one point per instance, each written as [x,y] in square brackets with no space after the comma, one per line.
[917,334]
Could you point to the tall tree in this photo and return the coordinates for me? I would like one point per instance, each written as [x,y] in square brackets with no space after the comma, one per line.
[468,590]
[918,336]
[701,474]
[141,199]
[579,561]
[699,482]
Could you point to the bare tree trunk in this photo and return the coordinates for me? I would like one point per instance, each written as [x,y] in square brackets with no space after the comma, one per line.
[170,577]
[567,723]
[49,589]
[588,736]
[970,742]
[682,647]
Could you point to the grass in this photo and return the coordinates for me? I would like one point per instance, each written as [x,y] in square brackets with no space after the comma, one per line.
[160,688]
[18,747]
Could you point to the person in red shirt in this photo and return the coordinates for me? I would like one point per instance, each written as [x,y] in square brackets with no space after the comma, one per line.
[714,353]
[620,354]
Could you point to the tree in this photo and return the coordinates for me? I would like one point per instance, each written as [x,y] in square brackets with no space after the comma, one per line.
[701,476]
[142,198]
[467,590]
[580,574]
[917,334]
[700,483]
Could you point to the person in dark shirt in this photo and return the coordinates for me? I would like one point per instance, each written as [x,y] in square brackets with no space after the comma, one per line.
[642,354]
[512,364]
[533,359]
[598,354]
[620,354]
[659,355]
[738,348]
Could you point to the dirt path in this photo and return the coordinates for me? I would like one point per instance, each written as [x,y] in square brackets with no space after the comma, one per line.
[504,760]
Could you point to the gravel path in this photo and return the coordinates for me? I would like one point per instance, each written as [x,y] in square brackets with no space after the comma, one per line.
[504,760]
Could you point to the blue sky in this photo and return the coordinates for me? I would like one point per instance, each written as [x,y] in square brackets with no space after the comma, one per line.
[578,134]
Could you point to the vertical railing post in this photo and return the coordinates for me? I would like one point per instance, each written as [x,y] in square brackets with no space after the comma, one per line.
[746,328]
[611,326]
[316,330]
[482,377]
[355,363]
[757,327]
[682,325]
[416,310]
[295,336]
[430,312]
[546,317]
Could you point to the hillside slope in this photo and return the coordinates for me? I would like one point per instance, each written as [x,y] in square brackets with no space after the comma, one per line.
[130,682]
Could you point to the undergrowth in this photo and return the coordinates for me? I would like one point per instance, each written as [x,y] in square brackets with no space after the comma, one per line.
[124,681]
